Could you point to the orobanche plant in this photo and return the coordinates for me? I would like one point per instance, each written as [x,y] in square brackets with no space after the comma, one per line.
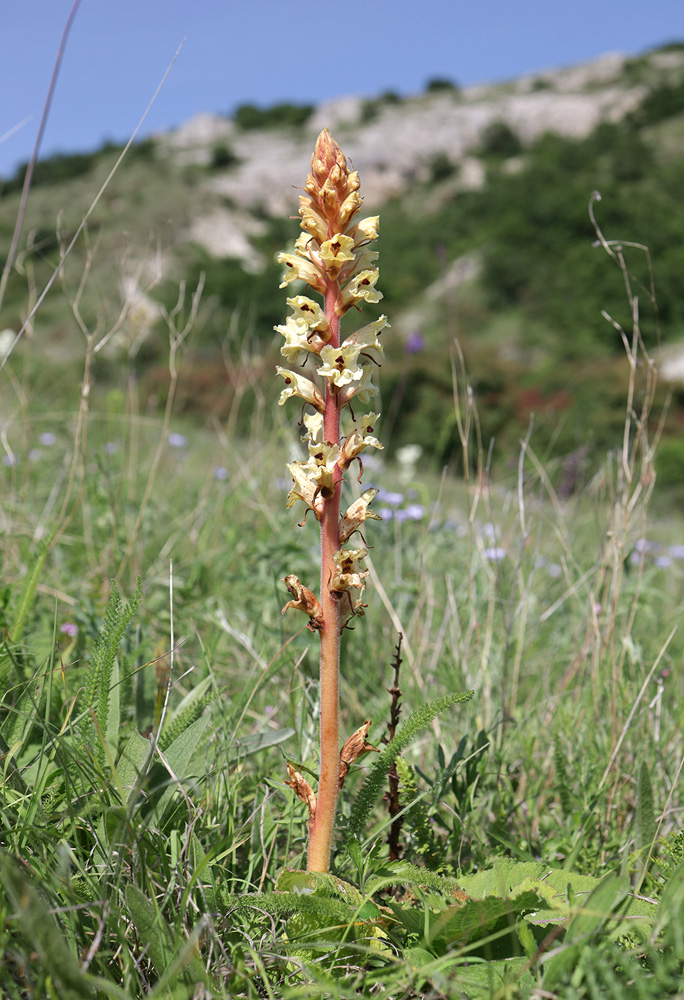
[333,258]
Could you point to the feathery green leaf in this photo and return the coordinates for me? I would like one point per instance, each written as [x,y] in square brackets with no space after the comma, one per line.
[375,781]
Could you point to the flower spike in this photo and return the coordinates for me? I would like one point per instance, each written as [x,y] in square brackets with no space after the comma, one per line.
[333,257]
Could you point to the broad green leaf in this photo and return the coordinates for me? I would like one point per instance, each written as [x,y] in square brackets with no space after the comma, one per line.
[194,695]
[154,933]
[178,757]
[594,912]
[506,877]
[671,905]
[132,763]
[471,921]
[418,957]
[475,919]
[480,980]
[526,938]
[248,745]
[202,868]
[161,943]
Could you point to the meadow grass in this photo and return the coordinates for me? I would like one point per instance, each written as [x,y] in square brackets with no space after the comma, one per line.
[149,844]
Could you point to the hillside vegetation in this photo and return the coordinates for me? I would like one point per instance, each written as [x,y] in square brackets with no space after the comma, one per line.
[486,235]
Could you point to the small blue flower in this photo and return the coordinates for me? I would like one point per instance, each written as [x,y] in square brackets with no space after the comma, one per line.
[415,343]
[47,438]
[220,473]
[393,499]
[494,554]
[177,440]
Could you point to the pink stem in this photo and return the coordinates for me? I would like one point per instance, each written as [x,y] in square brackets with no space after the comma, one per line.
[320,839]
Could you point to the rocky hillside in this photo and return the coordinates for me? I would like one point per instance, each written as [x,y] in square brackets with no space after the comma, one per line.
[485,236]
[394,142]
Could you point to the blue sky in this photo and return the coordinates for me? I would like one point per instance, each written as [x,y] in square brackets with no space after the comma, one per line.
[290,50]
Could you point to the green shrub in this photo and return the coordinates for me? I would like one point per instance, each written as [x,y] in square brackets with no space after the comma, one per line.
[371,108]
[442,167]
[439,84]
[500,142]
[54,170]
[223,157]
[249,116]
[661,102]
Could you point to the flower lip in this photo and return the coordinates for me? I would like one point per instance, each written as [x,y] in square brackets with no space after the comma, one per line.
[340,365]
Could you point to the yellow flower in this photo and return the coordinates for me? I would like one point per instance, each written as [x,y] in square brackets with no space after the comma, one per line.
[350,206]
[314,428]
[336,253]
[312,221]
[367,337]
[365,259]
[323,458]
[296,334]
[366,229]
[297,385]
[361,437]
[360,288]
[361,391]
[357,513]
[305,488]
[310,312]
[298,269]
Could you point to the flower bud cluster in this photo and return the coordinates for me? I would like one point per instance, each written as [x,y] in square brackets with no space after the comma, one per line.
[332,257]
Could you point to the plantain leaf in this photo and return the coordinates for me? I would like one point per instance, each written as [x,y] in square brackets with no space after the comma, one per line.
[180,969]
[248,745]
[131,764]
[178,757]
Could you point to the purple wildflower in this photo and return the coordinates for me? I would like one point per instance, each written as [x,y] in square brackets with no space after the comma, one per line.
[415,343]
